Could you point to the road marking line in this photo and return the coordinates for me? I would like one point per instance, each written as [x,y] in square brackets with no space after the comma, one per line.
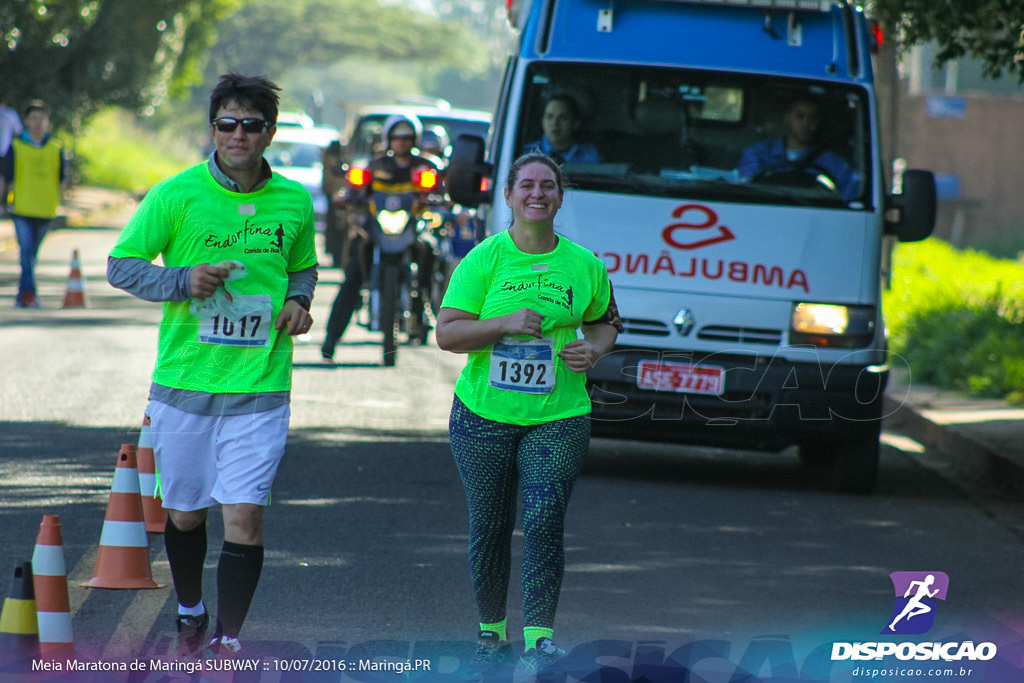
[139,618]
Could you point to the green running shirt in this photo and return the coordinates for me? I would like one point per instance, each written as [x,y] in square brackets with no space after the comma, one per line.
[191,219]
[567,286]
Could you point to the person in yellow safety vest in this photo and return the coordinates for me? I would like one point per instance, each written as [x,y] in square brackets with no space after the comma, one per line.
[34,170]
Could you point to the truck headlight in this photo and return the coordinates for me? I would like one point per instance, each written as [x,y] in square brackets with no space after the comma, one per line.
[832,325]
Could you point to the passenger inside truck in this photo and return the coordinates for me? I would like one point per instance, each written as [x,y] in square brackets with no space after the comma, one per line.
[682,133]
[560,120]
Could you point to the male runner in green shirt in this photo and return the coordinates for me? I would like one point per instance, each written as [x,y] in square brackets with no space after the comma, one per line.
[237,244]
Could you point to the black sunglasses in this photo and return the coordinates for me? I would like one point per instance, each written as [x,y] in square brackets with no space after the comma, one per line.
[400,136]
[227,124]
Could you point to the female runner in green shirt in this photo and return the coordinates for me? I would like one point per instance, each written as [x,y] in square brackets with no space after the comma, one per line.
[520,417]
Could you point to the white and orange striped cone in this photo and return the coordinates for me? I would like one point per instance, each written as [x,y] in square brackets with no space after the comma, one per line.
[50,580]
[19,632]
[152,504]
[74,295]
[123,559]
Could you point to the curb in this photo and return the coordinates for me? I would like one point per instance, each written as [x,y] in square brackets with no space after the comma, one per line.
[971,457]
[85,212]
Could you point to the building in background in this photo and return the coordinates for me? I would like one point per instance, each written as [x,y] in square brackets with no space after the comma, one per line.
[967,129]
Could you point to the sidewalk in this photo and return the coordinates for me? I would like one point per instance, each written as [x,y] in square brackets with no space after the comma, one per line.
[85,205]
[977,442]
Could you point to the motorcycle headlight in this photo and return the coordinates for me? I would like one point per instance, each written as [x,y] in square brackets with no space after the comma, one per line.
[832,325]
[393,222]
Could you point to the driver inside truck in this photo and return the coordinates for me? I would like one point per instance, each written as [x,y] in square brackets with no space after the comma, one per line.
[800,151]
[561,122]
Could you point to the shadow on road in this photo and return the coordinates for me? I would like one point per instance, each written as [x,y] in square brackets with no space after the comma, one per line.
[367,534]
[686,465]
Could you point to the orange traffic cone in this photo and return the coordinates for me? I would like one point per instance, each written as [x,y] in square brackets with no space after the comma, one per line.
[19,632]
[152,504]
[74,296]
[123,559]
[50,580]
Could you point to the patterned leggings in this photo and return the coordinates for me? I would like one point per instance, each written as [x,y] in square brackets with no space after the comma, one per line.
[495,459]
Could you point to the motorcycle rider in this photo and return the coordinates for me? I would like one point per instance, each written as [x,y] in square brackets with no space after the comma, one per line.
[435,145]
[336,231]
[393,167]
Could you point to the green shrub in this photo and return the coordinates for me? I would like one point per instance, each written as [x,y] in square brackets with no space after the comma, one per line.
[117,152]
[957,318]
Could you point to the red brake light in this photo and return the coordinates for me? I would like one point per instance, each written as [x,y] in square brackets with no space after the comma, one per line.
[877,36]
[358,177]
[485,184]
[425,179]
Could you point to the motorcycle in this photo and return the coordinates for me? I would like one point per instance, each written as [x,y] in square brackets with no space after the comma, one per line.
[397,226]
[456,233]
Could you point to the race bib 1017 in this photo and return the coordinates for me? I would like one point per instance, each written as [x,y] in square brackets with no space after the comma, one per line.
[250,327]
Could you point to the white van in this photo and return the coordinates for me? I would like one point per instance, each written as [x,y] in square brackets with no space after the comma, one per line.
[297,153]
[749,282]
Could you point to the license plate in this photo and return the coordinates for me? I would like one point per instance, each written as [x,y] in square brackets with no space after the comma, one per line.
[682,378]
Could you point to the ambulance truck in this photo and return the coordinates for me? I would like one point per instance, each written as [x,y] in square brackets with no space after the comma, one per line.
[750,294]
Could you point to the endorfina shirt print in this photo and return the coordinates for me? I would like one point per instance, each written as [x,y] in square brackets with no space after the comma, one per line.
[567,286]
[191,219]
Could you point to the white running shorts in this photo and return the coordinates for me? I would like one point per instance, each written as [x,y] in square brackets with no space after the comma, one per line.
[206,459]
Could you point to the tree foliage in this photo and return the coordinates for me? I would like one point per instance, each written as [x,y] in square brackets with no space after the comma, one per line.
[485,19]
[988,30]
[272,37]
[474,82]
[82,55]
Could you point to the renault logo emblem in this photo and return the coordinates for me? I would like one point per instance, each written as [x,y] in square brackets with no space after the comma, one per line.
[683,322]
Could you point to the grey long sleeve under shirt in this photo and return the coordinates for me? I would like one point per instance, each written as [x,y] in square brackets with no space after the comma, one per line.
[151,282]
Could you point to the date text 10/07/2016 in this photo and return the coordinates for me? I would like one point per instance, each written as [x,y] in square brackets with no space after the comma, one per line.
[192,667]
[392,666]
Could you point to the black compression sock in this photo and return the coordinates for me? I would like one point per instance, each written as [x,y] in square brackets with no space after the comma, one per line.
[186,553]
[238,572]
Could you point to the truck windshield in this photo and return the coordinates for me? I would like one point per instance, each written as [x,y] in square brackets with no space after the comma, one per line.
[700,134]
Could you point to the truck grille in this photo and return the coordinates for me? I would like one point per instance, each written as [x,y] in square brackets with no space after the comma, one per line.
[647,328]
[740,335]
[717,333]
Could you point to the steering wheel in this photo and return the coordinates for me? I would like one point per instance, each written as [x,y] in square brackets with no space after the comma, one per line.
[809,175]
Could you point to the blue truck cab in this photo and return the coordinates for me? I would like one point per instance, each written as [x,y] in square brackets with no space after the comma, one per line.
[725,165]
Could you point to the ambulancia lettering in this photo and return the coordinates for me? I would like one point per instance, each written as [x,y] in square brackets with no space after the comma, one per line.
[740,272]
[673,264]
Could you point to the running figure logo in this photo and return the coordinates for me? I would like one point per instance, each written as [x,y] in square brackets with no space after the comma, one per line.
[914,608]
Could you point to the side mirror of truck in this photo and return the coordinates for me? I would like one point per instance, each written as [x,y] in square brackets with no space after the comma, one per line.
[915,207]
[468,172]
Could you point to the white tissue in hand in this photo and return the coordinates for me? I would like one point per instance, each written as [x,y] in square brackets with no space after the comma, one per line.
[224,301]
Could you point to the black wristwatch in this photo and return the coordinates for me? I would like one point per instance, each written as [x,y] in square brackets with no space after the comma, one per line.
[301,299]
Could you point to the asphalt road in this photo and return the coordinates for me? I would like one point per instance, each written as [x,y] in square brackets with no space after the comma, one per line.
[727,561]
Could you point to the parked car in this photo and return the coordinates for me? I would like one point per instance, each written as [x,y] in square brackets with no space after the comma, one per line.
[297,153]
[299,119]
